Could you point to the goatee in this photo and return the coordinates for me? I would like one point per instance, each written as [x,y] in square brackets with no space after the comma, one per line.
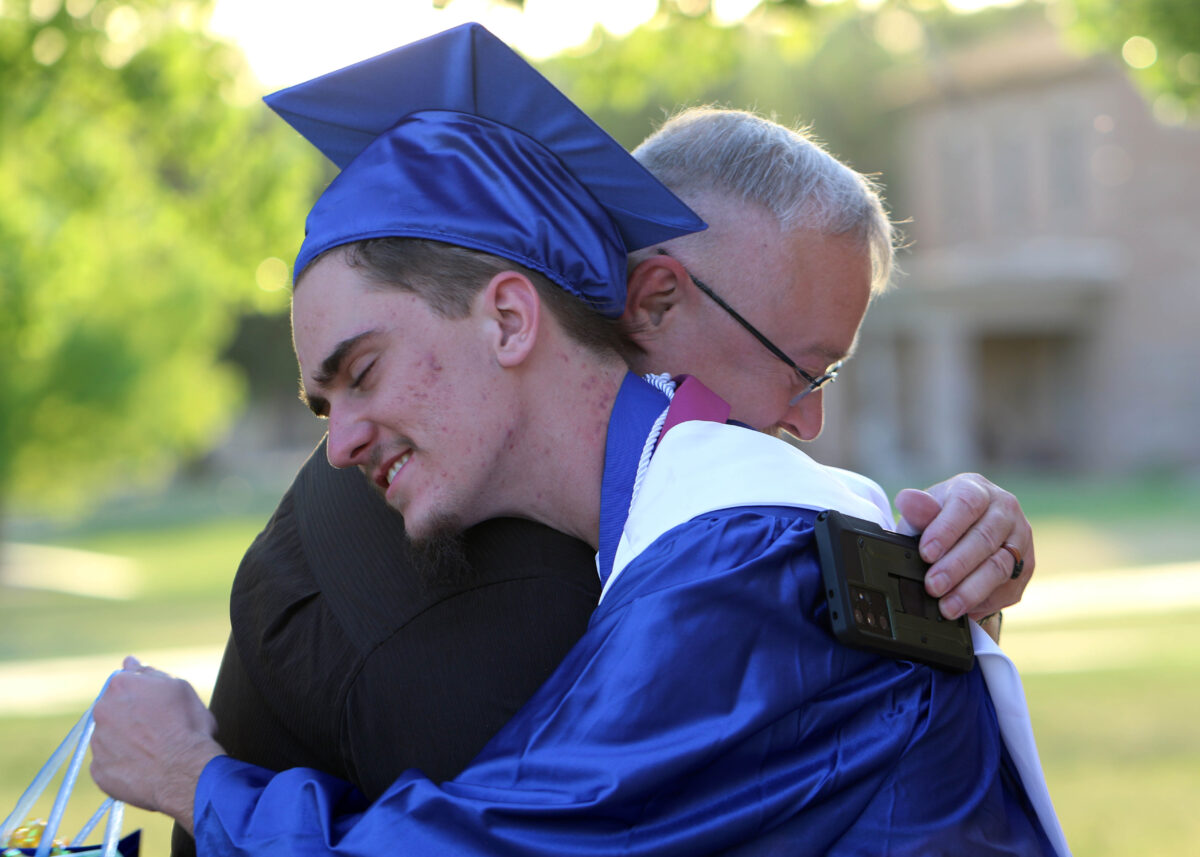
[439,556]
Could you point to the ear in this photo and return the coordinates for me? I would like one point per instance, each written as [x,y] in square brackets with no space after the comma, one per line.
[512,307]
[655,288]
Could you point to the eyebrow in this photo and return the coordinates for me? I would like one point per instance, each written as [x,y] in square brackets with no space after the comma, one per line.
[833,356]
[330,367]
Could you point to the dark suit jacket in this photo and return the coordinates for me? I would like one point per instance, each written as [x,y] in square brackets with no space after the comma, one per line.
[343,658]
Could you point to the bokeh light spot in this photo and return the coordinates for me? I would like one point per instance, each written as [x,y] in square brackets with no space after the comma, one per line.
[727,12]
[44,10]
[123,27]
[122,24]
[48,46]
[1189,67]
[1139,52]
[80,8]
[1169,109]
[898,31]
[272,274]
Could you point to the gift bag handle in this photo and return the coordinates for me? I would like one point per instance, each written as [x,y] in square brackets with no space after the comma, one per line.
[76,744]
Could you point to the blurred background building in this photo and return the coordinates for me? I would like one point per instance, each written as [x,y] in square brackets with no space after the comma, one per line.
[1047,319]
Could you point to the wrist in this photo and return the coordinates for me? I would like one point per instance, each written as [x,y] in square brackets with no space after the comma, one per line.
[991,624]
[177,792]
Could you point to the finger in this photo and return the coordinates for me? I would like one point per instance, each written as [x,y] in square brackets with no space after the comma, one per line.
[917,510]
[130,663]
[985,561]
[975,547]
[976,539]
[1018,562]
[979,588]
[965,503]
[1008,593]
[975,520]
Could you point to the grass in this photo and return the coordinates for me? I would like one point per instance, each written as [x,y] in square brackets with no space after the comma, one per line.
[185,569]
[1118,744]
[184,572]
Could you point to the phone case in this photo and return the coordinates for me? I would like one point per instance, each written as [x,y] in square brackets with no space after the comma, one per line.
[875,584]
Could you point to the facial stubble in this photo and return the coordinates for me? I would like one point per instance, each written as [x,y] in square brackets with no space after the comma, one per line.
[438,554]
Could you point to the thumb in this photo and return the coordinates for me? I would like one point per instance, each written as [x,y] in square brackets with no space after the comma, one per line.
[917,509]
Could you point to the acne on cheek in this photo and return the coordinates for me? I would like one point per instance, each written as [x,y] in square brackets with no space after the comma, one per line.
[427,370]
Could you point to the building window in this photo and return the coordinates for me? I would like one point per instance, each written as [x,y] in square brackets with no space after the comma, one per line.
[1067,170]
[959,181]
[1012,182]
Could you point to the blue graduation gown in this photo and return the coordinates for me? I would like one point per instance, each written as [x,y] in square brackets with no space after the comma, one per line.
[707,709]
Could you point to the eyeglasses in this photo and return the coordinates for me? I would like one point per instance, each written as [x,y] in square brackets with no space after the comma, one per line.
[813,384]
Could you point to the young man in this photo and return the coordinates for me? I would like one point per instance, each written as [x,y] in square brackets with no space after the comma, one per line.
[343,657]
[707,707]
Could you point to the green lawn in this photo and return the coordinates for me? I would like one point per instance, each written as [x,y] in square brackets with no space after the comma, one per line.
[185,571]
[1119,745]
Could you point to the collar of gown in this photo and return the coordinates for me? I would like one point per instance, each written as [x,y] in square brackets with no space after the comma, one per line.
[637,407]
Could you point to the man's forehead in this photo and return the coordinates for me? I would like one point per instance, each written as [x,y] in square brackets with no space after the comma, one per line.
[325,312]
[330,320]
[822,292]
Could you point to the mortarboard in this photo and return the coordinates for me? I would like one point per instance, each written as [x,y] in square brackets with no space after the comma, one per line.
[456,138]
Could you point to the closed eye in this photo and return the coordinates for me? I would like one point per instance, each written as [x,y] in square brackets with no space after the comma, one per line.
[358,379]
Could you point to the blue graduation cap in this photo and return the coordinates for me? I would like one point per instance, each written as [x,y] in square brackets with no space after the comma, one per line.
[456,138]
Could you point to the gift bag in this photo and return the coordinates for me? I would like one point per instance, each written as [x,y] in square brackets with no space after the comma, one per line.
[41,843]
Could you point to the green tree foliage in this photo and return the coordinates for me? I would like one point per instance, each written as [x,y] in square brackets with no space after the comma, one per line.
[772,61]
[1169,63]
[845,68]
[143,189]
[813,65]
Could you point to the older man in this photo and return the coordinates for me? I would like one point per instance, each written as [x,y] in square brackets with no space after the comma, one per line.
[707,706]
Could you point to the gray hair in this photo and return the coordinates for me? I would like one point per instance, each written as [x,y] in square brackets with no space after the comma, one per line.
[753,159]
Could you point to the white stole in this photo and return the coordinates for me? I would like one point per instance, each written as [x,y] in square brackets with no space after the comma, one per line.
[703,466]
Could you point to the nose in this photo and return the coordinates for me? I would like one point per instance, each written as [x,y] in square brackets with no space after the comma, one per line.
[350,439]
[805,418]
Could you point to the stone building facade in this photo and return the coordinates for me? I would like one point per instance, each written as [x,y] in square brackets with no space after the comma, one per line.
[1049,315]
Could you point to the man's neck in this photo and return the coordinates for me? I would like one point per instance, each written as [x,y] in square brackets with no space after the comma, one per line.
[556,472]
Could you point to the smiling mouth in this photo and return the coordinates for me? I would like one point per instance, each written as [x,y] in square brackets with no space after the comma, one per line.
[397,466]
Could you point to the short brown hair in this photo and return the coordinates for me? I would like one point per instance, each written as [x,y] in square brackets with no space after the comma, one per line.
[449,277]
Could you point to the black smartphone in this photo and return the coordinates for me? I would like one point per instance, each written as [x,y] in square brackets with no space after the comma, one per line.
[875,584]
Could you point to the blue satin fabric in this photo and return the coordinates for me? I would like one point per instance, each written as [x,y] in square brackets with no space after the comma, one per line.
[637,407]
[456,138]
[708,709]
[468,181]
